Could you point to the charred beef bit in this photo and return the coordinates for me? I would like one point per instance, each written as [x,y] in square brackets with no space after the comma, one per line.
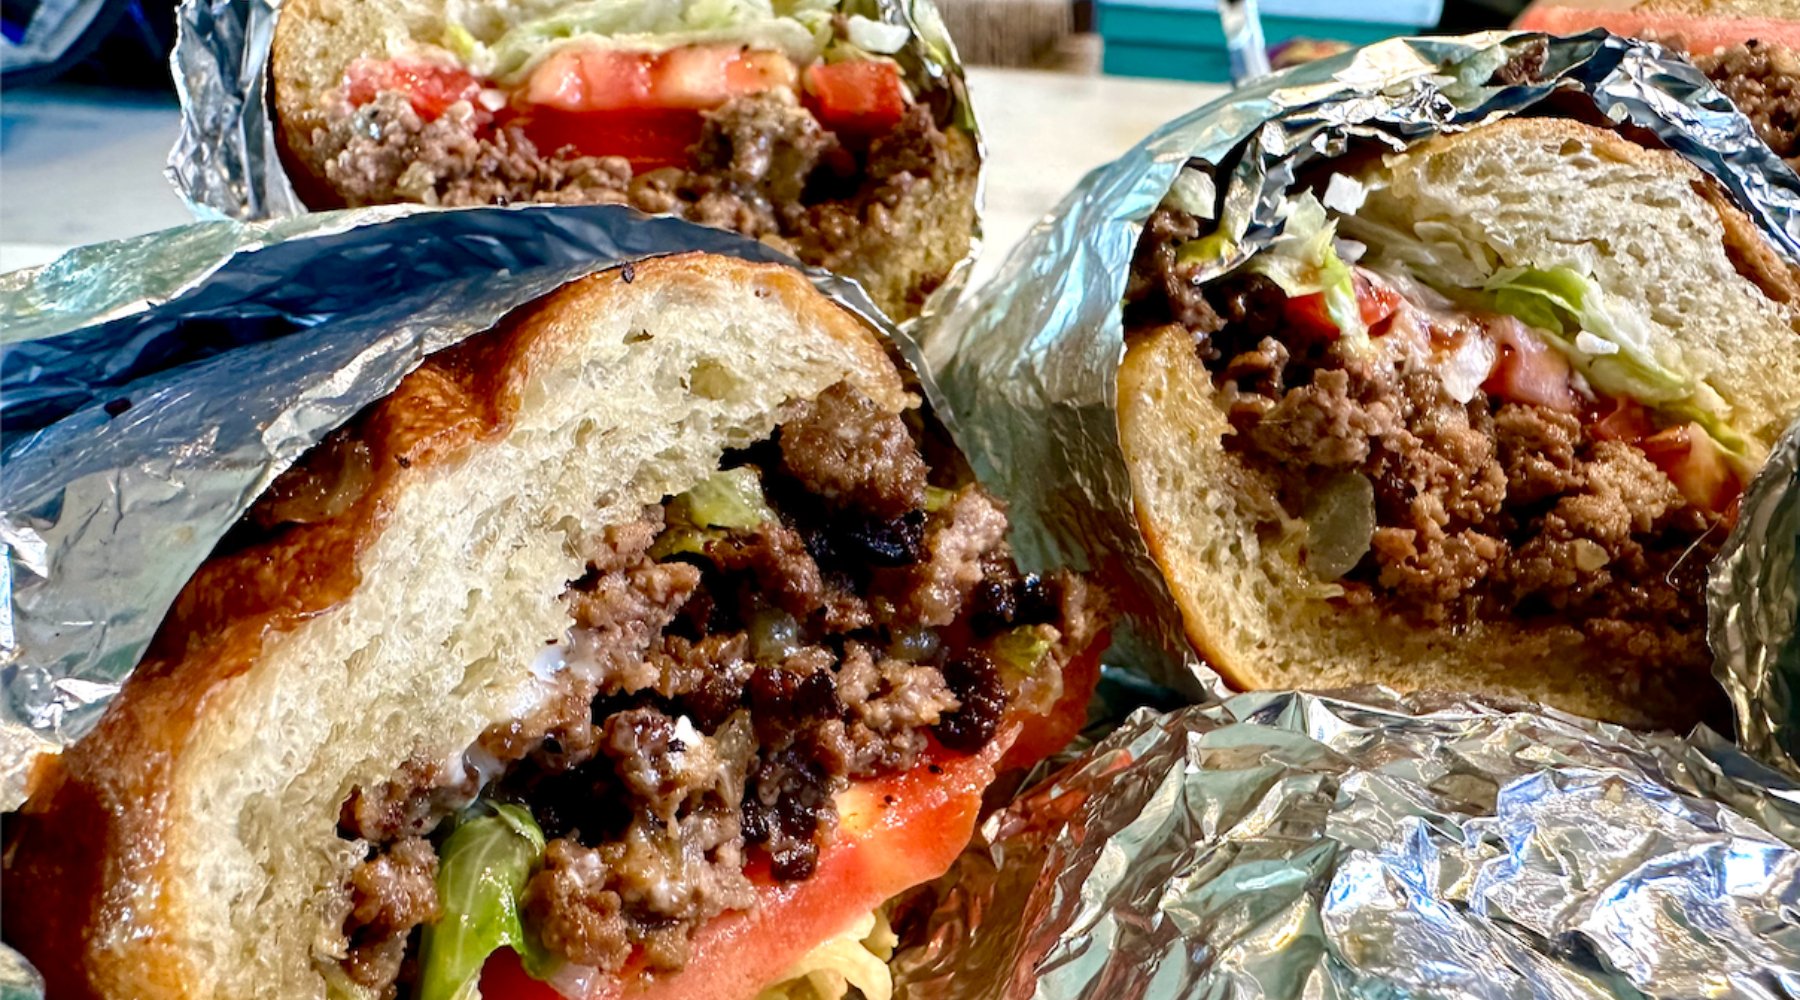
[391,894]
[846,449]
[777,557]
[1522,66]
[975,681]
[1161,288]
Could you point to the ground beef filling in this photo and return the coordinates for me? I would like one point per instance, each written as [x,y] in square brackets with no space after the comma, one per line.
[1488,510]
[763,166]
[718,694]
[1764,82]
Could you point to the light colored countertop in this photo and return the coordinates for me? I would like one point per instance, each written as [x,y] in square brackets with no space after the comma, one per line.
[77,169]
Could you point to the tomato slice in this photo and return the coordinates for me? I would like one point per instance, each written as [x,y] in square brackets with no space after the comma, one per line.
[694,77]
[1308,316]
[1528,370]
[893,833]
[863,97]
[648,137]
[1376,302]
[431,88]
[1696,465]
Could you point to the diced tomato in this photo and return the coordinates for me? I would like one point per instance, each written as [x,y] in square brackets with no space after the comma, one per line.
[892,834]
[1306,316]
[431,88]
[861,97]
[648,137]
[1629,422]
[1042,735]
[1695,464]
[1528,370]
[693,77]
[702,77]
[1375,301]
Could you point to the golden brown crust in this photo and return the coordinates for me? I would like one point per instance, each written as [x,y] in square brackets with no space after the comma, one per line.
[85,863]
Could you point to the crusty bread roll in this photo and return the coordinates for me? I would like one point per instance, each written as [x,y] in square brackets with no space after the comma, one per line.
[191,845]
[903,223]
[1649,229]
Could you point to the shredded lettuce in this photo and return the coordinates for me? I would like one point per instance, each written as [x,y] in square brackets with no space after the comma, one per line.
[482,871]
[1304,260]
[1561,302]
[856,958]
[800,28]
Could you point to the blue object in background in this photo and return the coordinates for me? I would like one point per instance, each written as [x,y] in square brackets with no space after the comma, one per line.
[1183,40]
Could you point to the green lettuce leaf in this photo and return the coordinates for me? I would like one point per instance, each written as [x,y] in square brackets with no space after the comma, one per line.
[799,28]
[1304,260]
[482,871]
[1563,302]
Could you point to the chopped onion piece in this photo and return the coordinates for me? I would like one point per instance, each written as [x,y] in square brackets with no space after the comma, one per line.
[1587,343]
[877,36]
[1344,193]
[1468,363]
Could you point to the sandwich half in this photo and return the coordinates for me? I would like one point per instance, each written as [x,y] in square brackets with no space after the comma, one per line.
[1476,421]
[803,123]
[642,646]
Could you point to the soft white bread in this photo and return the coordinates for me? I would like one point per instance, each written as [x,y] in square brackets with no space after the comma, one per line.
[1532,192]
[188,847]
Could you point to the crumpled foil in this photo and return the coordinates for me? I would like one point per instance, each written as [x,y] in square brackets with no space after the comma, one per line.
[1029,362]
[1754,601]
[226,161]
[1284,845]
[151,388]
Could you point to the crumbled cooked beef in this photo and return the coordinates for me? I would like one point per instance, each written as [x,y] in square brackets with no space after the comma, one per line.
[1763,80]
[713,703]
[1484,510]
[763,166]
[390,894]
[854,454]
[1524,65]
[957,538]
[975,681]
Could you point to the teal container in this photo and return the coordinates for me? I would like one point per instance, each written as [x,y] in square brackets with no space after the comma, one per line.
[1183,40]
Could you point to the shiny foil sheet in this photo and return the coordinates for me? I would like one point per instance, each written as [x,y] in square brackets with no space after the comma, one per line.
[226,162]
[151,388]
[1029,362]
[1284,845]
[1755,611]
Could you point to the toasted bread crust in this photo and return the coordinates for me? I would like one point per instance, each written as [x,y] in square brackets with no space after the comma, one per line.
[88,897]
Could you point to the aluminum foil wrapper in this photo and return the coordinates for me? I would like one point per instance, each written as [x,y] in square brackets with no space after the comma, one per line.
[1285,845]
[226,161]
[152,388]
[1029,362]
[1754,597]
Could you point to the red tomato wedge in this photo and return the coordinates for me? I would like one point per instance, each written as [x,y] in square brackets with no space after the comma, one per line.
[431,88]
[1629,422]
[892,834]
[863,97]
[694,77]
[648,137]
[1528,370]
[1307,314]
[1696,465]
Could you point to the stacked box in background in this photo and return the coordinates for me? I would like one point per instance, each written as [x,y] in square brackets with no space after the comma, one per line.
[1182,39]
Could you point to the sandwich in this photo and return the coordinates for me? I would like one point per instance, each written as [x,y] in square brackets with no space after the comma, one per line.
[1748,48]
[812,125]
[1476,420]
[643,645]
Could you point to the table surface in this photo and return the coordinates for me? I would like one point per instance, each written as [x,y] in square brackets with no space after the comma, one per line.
[79,168]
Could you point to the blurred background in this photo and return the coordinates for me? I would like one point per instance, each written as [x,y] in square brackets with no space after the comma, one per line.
[88,112]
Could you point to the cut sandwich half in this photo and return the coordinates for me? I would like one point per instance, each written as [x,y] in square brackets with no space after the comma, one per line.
[1750,49]
[1478,426]
[792,121]
[641,646]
